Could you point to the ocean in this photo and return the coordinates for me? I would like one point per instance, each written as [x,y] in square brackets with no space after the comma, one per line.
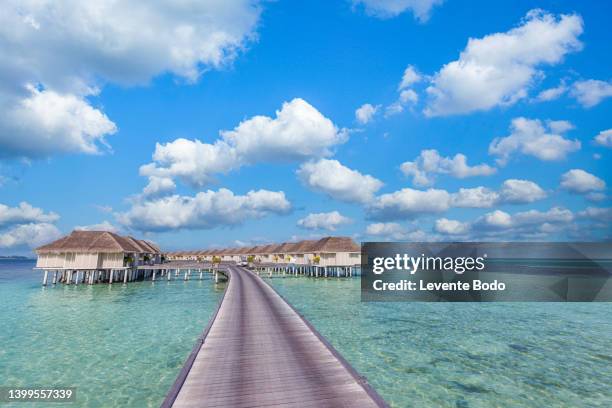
[124,345]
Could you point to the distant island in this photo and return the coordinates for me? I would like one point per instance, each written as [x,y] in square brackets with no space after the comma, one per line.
[20,257]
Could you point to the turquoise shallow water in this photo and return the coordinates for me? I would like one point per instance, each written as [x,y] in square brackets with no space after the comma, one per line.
[121,346]
[465,354]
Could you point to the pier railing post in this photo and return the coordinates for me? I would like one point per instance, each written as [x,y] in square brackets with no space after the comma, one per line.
[45,278]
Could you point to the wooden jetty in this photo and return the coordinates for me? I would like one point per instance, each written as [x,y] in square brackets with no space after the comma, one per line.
[257,351]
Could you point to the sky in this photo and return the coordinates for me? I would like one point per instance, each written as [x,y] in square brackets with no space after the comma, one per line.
[203,124]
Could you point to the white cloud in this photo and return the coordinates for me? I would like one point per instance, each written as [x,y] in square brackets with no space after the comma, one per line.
[410,77]
[595,196]
[298,132]
[596,213]
[591,91]
[159,186]
[531,137]
[429,163]
[388,230]
[69,50]
[499,69]
[24,213]
[604,138]
[407,97]
[580,181]
[408,203]
[205,210]
[192,161]
[338,181]
[526,223]
[514,191]
[46,122]
[103,226]
[394,109]
[451,227]
[551,94]
[29,235]
[495,219]
[366,112]
[328,221]
[535,217]
[394,231]
[477,197]
[392,8]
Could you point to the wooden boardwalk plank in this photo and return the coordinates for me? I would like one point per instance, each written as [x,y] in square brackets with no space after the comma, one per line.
[259,352]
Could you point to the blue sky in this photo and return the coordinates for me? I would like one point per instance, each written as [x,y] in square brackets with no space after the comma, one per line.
[243,96]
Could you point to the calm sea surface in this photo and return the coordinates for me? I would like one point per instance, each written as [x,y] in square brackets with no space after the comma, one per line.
[123,346]
[120,346]
[465,354]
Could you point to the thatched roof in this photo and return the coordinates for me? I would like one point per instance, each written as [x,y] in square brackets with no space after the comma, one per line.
[284,248]
[304,246]
[269,249]
[153,246]
[335,244]
[92,242]
[327,244]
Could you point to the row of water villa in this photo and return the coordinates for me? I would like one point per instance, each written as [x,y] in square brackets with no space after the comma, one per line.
[105,257]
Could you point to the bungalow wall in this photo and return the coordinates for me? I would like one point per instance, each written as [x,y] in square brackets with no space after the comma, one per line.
[50,260]
[80,260]
[338,258]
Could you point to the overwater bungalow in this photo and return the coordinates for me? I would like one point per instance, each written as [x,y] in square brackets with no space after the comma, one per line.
[335,251]
[301,253]
[95,256]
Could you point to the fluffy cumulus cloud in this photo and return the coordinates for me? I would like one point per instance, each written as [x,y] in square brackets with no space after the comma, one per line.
[298,132]
[451,227]
[57,55]
[45,121]
[429,163]
[408,203]
[366,112]
[29,235]
[515,191]
[499,69]
[25,226]
[581,182]
[329,221]
[477,197]
[207,209]
[591,91]
[159,186]
[338,181]
[24,213]
[604,138]
[532,223]
[512,191]
[392,8]
[545,141]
